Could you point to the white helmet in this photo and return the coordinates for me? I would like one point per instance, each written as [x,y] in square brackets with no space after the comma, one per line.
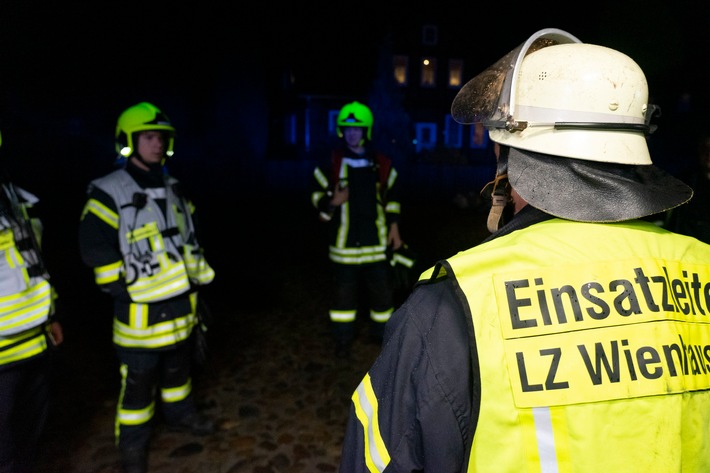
[554,97]
[565,98]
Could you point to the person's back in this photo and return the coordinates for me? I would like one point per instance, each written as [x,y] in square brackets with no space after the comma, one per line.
[575,338]
[589,317]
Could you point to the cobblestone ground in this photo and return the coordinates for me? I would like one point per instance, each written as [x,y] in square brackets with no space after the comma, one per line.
[279,395]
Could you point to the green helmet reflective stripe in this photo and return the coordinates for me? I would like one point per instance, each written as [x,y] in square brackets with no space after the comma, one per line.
[355,114]
[141,117]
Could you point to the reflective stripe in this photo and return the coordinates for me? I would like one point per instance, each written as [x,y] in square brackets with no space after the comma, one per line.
[391,178]
[102,212]
[341,237]
[376,455]
[27,309]
[136,416]
[545,440]
[381,316]
[321,178]
[160,254]
[360,255]
[138,316]
[177,393]
[152,336]
[197,267]
[108,273]
[22,346]
[358,259]
[399,258]
[343,315]
[7,239]
[169,281]
[130,416]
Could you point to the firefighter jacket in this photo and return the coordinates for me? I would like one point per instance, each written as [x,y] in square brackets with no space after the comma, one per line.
[137,233]
[359,227]
[558,346]
[26,295]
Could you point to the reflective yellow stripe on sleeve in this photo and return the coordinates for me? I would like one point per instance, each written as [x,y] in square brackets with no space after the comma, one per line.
[108,273]
[376,455]
[392,177]
[321,178]
[101,211]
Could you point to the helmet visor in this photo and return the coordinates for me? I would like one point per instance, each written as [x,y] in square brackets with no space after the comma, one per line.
[487,98]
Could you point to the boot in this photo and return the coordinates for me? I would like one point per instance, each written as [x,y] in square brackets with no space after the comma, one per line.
[134,460]
[342,349]
[195,423]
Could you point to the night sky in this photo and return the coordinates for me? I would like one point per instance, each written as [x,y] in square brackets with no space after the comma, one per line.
[71,53]
[68,70]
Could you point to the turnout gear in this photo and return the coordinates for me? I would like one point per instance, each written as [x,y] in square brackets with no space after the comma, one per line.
[26,294]
[27,306]
[359,228]
[161,256]
[139,235]
[563,106]
[359,234]
[358,115]
[142,117]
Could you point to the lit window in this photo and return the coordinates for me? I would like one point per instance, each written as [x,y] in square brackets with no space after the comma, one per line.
[428,72]
[400,69]
[455,73]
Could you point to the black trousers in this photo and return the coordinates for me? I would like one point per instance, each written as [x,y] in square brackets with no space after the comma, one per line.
[144,376]
[361,286]
[24,405]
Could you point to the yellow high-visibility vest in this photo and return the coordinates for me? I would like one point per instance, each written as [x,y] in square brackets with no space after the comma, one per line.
[594,349]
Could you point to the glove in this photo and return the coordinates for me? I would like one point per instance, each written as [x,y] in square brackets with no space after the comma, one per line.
[118,291]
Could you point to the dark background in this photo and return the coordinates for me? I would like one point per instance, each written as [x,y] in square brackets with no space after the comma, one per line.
[68,69]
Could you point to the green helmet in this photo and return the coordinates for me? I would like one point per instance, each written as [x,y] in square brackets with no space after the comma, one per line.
[142,117]
[355,114]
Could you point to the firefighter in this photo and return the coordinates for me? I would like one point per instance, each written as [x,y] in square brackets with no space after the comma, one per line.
[138,233]
[575,337]
[357,195]
[28,329]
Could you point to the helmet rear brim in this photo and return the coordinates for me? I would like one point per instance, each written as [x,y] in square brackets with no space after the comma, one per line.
[589,191]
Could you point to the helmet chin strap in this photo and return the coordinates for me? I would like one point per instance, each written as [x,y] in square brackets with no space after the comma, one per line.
[499,191]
